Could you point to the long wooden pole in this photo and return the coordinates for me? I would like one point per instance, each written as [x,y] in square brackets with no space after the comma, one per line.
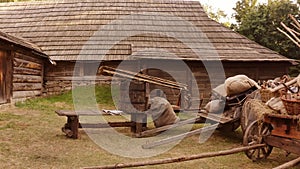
[141,79]
[287,35]
[291,32]
[144,76]
[289,164]
[179,159]
[295,20]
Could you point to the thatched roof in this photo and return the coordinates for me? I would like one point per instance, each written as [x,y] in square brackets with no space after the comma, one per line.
[20,42]
[66,29]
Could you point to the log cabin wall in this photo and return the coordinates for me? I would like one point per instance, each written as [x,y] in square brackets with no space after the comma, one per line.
[59,77]
[28,74]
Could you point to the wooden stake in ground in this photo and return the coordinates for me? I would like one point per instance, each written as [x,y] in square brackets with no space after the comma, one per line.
[179,159]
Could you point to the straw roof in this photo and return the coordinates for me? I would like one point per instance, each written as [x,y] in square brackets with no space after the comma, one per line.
[118,29]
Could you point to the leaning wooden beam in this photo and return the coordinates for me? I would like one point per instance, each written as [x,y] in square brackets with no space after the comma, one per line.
[179,137]
[140,79]
[289,164]
[295,26]
[179,159]
[287,35]
[295,32]
[139,75]
[295,20]
[291,32]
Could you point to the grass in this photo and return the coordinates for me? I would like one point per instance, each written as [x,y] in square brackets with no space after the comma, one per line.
[31,137]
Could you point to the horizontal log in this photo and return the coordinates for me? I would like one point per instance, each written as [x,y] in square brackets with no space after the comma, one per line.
[27,86]
[27,64]
[25,71]
[32,58]
[78,78]
[27,79]
[60,73]
[26,94]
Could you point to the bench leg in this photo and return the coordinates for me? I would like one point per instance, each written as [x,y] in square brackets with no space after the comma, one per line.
[140,123]
[71,127]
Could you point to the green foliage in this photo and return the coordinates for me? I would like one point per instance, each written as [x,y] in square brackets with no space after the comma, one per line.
[259,23]
[218,15]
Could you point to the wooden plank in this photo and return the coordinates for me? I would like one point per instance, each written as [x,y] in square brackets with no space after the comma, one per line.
[3,70]
[160,129]
[9,75]
[284,126]
[79,112]
[289,145]
[179,137]
[107,125]
[215,117]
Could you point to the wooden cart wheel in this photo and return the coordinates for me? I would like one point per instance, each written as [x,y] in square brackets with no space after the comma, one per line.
[254,135]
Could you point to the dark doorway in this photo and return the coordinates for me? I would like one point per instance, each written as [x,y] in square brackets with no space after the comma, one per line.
[3,70]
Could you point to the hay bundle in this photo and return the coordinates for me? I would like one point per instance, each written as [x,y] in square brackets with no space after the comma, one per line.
[253,110]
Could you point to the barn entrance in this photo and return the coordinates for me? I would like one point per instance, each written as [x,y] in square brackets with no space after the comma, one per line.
[3,71]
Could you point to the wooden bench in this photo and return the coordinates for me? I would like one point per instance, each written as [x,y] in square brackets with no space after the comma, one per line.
[138,122]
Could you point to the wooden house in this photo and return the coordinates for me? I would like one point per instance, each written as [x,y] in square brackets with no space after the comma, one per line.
[77,34]
[21,69]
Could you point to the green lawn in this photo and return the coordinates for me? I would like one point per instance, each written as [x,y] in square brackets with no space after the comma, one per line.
[31,137]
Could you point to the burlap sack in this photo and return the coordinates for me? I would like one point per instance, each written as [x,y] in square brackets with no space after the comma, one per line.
[215,106]
[220,90]
[162,112]
[275,103]
[239,84]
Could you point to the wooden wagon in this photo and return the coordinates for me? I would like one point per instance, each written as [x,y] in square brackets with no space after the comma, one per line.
[273,130]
